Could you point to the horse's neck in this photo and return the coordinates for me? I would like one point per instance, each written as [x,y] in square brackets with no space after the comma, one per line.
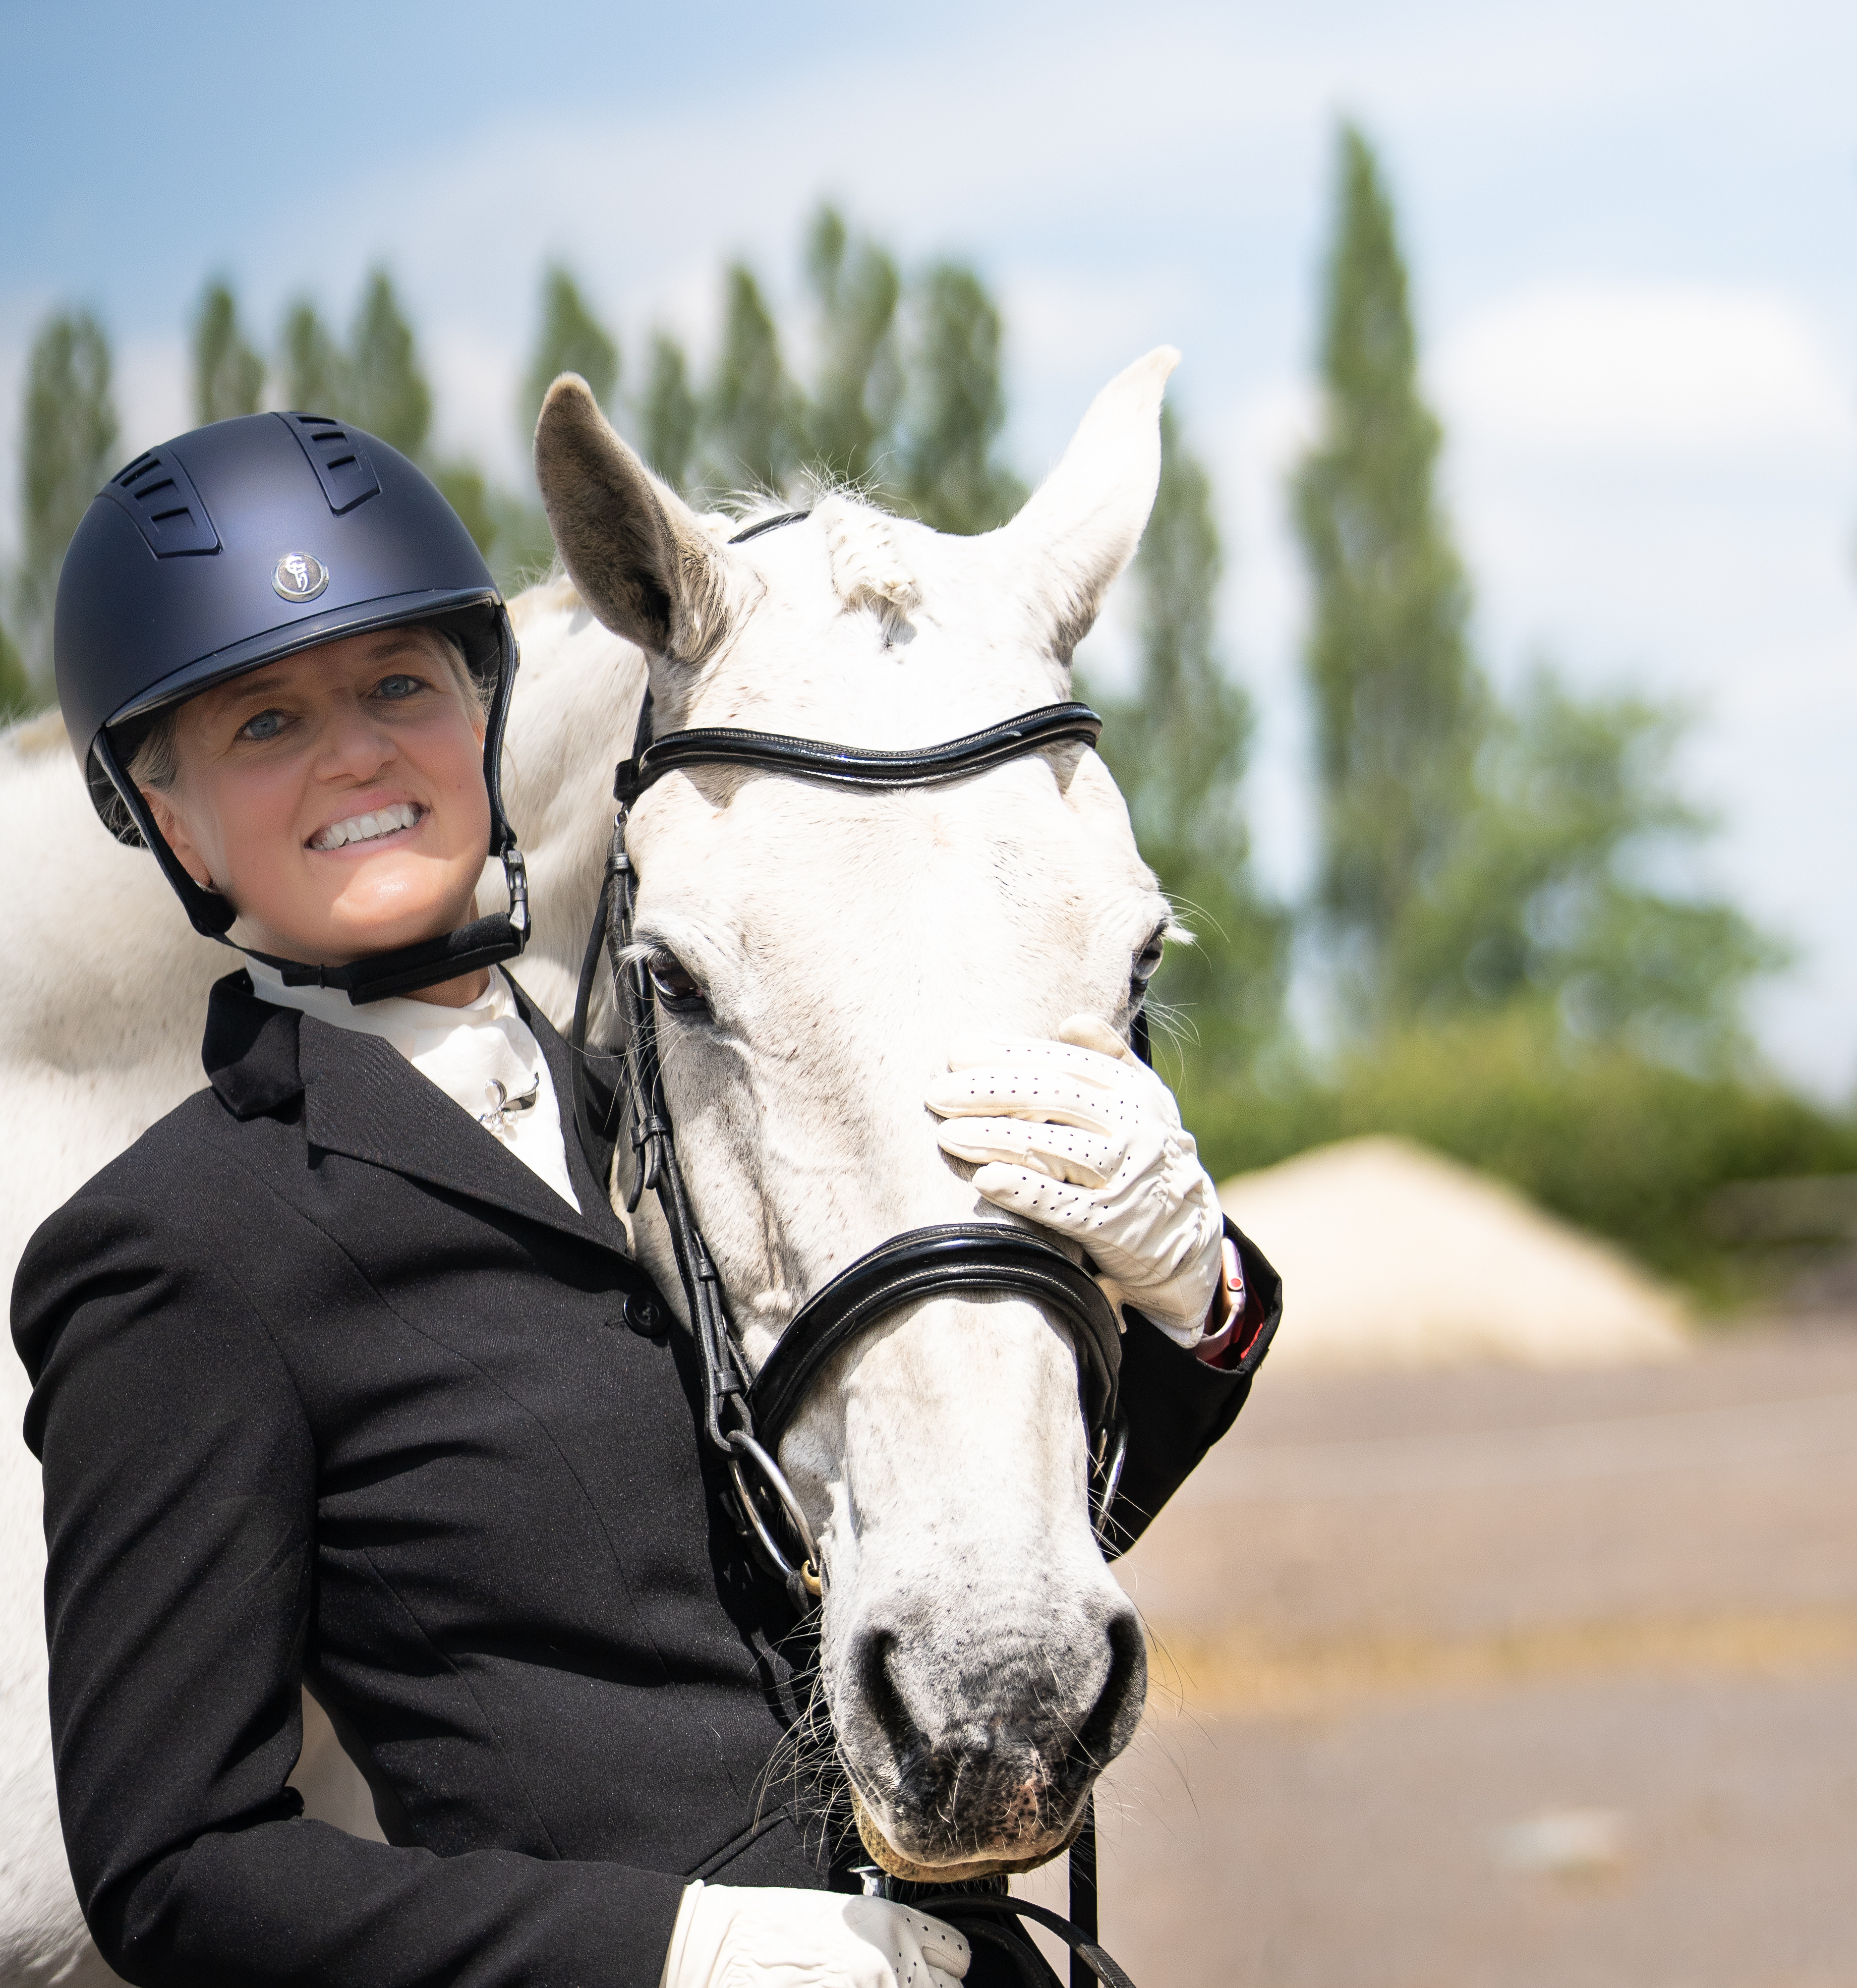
[100,973]
[576,708]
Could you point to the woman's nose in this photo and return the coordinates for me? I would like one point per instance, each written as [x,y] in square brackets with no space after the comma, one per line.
[353,743]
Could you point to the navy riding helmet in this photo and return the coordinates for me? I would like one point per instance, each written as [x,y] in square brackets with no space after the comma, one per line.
[248,540]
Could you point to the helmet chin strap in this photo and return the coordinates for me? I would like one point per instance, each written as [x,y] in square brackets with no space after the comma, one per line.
[406,968]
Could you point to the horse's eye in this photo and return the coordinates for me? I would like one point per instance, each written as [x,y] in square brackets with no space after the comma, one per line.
[1147,964]
[677,990]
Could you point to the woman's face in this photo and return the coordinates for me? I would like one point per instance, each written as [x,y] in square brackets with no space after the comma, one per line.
[336,797]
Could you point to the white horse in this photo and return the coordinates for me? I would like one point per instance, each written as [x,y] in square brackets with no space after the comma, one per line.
[979,1663]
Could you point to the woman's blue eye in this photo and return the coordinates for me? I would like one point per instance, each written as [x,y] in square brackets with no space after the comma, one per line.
[397,687]
[266,725]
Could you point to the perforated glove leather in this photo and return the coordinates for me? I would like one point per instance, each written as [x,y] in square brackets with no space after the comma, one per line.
[744,1936]
[1080,1136]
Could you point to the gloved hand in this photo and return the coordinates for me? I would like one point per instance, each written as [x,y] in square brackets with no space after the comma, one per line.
[1079,1135]
[743,1936]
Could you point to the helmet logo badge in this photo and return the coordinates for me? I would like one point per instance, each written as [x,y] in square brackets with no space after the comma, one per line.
[299,576]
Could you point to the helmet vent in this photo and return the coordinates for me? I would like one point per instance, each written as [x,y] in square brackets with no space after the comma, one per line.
[341,465]
[157,492]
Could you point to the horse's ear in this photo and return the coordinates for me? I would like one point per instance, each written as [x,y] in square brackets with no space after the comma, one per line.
[638,554]
[1080,528]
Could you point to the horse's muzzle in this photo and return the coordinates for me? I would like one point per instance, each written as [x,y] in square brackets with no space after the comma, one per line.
[983,1757]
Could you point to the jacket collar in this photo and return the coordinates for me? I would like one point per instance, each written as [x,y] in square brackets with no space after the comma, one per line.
[363,1099]
[251,1049]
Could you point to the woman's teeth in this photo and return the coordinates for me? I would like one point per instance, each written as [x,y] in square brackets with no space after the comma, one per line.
[366,828]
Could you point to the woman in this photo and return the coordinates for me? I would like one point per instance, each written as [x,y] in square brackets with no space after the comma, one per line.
[333,1385]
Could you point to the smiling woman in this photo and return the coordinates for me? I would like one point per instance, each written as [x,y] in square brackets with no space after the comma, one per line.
[335,797]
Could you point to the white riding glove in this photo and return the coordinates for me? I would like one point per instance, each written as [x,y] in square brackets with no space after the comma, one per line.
[742,1936]
[1081,1136]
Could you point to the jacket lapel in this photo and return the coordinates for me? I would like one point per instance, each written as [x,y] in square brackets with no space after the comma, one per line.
[591,1172]
[363,1099]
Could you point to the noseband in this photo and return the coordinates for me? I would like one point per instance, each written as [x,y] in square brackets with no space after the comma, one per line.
[745,1416]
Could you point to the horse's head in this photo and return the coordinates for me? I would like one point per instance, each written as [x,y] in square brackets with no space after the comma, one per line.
[817,951]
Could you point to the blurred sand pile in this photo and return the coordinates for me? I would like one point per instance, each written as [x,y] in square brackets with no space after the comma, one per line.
[1392,1256]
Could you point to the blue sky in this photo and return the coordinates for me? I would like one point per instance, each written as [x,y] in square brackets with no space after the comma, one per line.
[1632,230]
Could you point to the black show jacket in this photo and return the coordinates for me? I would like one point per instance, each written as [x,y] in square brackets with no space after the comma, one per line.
[330,1388]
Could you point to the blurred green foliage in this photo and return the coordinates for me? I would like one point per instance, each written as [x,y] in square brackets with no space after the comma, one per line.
[1542,892]
[1476,853]
[1526,978]
[857,395]
[228,375]
[315,371]
[571,341]
[669,413]
[1178,745]
[952,476]
[68,448]
[1396,696]
[384,386]
[1613,1139]
[752,416]
[907,401]
[16,697]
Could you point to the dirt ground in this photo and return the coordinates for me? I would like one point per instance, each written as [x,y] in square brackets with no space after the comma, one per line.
[1500,1677]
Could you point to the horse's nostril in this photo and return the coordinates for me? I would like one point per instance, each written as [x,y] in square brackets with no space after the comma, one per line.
[1112,1719]
[879,1693]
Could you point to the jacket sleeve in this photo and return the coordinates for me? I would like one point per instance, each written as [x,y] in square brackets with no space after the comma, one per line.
[180,1500]
[1177,1406]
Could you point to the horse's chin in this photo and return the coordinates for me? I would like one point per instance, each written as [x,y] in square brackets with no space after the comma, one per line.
[1008,1861]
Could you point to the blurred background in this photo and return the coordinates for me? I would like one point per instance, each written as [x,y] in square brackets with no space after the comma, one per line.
[1484,692]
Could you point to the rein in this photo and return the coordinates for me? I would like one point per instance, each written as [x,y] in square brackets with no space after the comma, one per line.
[745,1415]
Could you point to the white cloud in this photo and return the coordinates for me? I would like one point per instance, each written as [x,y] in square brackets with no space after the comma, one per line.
[1631,370]
[153,393]
[474,382]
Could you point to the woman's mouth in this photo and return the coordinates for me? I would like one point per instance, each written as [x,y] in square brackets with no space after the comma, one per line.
[383,821]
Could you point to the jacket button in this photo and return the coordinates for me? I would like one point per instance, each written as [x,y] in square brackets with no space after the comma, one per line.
[644,1318]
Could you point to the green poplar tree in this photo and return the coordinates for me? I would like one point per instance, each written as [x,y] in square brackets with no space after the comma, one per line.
[751,416]
[67,450]
[951,476]
[1178,748]
[228,376]
[571,341]
[468,492]
[1543,903]
[669,414]
[859,390]
[387,392]
[16,697]
[315,371]
[1398,700]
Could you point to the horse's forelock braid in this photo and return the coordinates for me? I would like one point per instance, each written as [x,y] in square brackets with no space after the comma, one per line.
[868,569]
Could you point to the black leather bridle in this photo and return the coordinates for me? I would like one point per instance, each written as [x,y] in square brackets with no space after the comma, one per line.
[745,1415]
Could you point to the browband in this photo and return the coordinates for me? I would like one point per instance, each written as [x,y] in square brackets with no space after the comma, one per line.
[855,765]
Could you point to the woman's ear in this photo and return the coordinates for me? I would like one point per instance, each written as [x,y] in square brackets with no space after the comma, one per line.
[174,833]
